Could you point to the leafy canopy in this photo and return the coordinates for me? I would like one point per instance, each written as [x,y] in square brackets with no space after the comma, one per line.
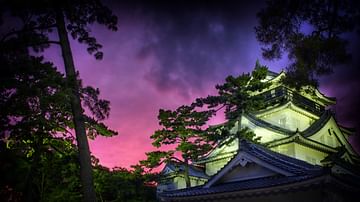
[310,32]
[183,129]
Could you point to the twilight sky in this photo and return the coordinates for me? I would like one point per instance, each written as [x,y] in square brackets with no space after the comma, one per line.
[166,54]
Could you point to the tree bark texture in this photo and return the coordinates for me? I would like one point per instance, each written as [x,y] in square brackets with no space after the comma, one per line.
[78,118]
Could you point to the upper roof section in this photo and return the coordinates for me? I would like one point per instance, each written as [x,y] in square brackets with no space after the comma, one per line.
[308,97]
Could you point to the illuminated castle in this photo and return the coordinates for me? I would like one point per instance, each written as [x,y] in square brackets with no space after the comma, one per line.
[304,155]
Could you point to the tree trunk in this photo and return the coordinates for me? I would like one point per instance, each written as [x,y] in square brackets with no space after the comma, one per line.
[239,128]
[186,174]
[78,118]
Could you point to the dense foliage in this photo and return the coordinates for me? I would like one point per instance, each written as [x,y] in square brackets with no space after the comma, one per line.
[37,144]
[311,32]
[35,20]
[182,129]
[236,96]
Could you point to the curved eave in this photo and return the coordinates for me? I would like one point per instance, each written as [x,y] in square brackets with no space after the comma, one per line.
[319,97]
[288,104]
[275,82]
[269,126]
[317,125]
[327,100]
[278,77]
[348,131]
[216,157]
[304,141]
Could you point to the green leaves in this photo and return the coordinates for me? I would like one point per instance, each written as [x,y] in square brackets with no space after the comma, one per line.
[235,93]
[36,122]
[156,158]
[182,129]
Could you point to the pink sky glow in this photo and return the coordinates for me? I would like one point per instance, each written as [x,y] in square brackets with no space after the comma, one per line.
[146,67]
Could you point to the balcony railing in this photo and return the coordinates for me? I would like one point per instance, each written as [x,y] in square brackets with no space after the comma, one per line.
[282,94]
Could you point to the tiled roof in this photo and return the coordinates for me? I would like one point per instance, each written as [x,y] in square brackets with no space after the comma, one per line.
[265,124]
[238,186]
[316,126]
[279,160]
[300,169]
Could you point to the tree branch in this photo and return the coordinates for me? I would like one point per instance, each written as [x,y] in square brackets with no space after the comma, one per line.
[26,30]
[57,149]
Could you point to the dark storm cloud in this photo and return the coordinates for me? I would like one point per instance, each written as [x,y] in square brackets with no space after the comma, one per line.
[196,43]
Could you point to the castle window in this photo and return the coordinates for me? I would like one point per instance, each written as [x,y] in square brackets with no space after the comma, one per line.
[282,122]
[272,93]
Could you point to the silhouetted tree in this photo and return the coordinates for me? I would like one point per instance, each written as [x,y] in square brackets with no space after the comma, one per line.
[36,124]
[38,19]
[121,184]
[310,32]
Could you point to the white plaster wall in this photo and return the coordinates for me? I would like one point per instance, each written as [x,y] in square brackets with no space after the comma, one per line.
[301,152]
[179,183]
[214,166]
[324,137]
[286,149]
[288,119]
[309,155]
[265,134]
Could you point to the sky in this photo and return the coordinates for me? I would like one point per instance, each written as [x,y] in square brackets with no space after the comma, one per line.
[167,54]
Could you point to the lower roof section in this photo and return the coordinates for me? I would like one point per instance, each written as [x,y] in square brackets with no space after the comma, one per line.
[275,185]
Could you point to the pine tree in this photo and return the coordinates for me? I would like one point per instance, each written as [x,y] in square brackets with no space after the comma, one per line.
[39,18]
[236,96]
[310,32]
[183,129]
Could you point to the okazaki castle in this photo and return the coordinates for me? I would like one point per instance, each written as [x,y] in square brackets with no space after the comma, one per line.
[303,155]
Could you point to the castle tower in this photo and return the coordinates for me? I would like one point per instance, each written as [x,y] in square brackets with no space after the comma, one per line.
[300,138]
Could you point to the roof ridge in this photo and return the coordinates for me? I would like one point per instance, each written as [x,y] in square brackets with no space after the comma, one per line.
[318,124]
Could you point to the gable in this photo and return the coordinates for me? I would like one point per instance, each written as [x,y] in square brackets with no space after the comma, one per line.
[257,168]
[167,171]
[331,135]
[245,172]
